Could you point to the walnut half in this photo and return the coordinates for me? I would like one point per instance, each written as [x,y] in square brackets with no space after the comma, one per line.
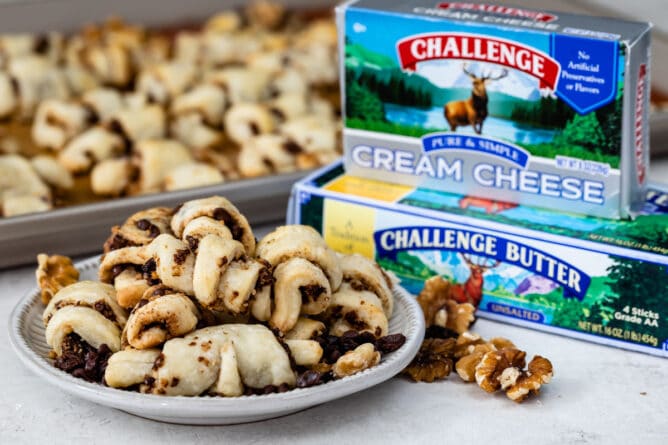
[54,273]
[434,360]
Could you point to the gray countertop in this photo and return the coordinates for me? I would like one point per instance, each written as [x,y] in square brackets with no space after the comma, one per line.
[599,395]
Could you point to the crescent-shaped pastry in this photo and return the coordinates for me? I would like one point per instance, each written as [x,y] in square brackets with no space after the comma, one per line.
[305,329]
[174,261]
[98,296]
[57,121]
[164,81]
[130,285]
[190,129]
[36,79]
[111,177]
[361,311]
[15,45]
[304,242]
[21,188]
[214,256]
[289,81]
[246,119]
[140,123]
[104,102]
[229,381]
[364,274]
[190,175]
[202,226]
[289,106]
[129,367]
[22,205]
[301,287]
[111,63]
[79,80]
[206,100]
[131,255]
[87,323]
[219,209]
[191,365]
[250,162]
[87,309]
[272,151]
[156,158]
[225,279]
[157,318]
[93,145]
[305,352]
[140,228]
[311,133]
[52,171]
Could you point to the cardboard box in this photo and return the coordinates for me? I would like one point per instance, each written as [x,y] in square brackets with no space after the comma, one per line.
[595,279]
[532,107]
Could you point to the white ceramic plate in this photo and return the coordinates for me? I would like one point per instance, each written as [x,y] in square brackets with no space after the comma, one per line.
[27,337]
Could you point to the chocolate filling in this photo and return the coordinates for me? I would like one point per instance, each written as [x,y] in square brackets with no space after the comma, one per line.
[82,360]
[277,113]
[100,306]
[117,241]
[354,321]
[223,215]
[148,272]
[181,255]
[145,224]
[311,292]
[360,285]
[115,126]
[42,44]
[193,243]
[265,277]
[292,147]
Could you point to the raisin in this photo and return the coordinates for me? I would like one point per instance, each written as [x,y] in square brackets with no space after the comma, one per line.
[309,378]
[390,343]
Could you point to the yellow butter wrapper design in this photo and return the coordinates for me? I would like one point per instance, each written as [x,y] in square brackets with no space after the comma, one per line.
[365,188]
[348,228]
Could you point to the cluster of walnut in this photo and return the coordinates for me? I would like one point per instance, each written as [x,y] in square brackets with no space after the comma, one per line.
[140,111]
[190,303]
[494,364]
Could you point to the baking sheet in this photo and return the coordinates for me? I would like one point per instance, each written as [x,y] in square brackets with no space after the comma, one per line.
[82,229]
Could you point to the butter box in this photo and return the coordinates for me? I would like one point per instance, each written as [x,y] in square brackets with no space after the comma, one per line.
[595,279]
[531,107]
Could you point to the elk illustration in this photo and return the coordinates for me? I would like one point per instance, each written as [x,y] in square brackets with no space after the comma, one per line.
[471,290]
[473,110]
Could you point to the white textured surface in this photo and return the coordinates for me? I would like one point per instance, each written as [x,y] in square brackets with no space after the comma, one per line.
[599,395]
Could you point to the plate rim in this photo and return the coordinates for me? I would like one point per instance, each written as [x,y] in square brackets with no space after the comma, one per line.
[211,408]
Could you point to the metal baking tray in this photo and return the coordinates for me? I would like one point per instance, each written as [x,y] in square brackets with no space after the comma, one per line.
[83,228]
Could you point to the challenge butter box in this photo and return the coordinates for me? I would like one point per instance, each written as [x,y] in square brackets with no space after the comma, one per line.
[532,107]
[600,280]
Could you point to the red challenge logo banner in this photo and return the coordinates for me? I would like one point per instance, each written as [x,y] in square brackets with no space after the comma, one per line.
[537,16]
[438,46]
